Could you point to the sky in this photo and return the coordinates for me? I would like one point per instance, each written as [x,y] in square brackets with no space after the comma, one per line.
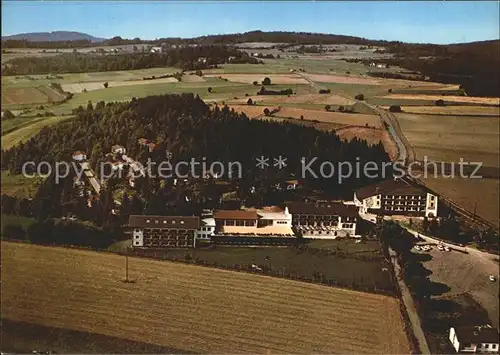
[408,21]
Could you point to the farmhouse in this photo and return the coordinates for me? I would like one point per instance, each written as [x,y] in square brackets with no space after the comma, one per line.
[163,231]
[79,156]
[324,221]
[396,197]
[477,339]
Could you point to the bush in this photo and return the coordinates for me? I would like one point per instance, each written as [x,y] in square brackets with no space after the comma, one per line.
[327,107]
[395,108]
[105,85]
[266,81]
[301,117]
[267,112]
[325,91]
[255,83]
[8,115]
[341,108]
[209,89]
[389,91]
[359,97]
[250,102]
[439,102]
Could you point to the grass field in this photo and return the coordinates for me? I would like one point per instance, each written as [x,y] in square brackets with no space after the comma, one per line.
[25,132]
[482,194]
[449,138]
[448,98]
[193,308]
[30,95]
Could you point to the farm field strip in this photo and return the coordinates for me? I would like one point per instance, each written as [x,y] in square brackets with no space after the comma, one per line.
[30,95]
[193,308]
[89,86]
[27,131]
[452,110]
[450,98]
[250,78]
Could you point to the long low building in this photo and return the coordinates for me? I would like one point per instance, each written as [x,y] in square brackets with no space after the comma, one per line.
[163,231]
[396,197]
[277,223]
[329,220]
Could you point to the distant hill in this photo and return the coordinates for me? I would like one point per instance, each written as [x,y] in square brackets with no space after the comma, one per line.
[56,36]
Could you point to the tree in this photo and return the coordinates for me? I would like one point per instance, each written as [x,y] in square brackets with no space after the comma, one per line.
[302,117]
[7,115]
[209,89]
[267,112]
[327,107]
[89,106]
[395,108]
[255,83]
[105,85]
[425,224]
[439,102]
[359,97]
[341,108]
[266,81]
[250,102]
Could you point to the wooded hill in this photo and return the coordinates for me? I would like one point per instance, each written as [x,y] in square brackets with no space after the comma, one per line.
[189,129]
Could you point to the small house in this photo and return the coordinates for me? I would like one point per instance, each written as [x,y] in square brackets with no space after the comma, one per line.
[476,339]
[79,156]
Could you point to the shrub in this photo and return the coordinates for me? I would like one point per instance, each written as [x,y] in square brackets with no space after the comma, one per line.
[7,115]
[105,85]
[250,102]
[389,91]
[341,108]
[267,112]
[327,107]
[266,81]
[439,102]
[395,108]
[255,83]
[209,89]
[359,97]
[325,91]
[301,117]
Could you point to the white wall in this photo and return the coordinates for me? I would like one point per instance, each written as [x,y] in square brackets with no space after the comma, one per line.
[138,238]
[431,205]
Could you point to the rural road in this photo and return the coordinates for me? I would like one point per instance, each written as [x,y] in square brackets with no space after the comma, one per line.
[410,307]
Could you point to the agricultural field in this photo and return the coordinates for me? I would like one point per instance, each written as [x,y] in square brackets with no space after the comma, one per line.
[480,194]
[447,98]
[215,311]
[250,78]
[30,95]
[29,130]
[457,110]
[371,136]
[449,138]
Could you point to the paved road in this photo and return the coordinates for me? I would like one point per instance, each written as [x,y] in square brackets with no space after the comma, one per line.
[410,307]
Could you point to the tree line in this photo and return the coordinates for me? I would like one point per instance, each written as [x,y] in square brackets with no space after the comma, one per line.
[185,58]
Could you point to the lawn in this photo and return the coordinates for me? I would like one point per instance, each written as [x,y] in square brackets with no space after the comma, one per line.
[359,265]
[192,308]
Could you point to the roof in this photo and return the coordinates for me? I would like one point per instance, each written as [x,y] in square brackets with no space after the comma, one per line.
[165,222]
[267,231]
[78,152]
[324,209]
[235,214]
[477,334]
[392,187]
[208,222]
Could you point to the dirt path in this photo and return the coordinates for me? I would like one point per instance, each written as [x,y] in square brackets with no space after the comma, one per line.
[410,307]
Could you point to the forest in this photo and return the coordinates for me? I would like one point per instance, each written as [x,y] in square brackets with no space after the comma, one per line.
[184,58]
[188,128]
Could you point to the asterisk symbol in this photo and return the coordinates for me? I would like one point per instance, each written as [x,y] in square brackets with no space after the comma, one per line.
[262,162]
[280,162]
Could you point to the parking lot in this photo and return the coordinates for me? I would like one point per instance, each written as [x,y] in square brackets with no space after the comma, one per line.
[466,273]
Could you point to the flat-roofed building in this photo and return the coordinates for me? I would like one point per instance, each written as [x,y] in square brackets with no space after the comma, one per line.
[163,231]
[327,220]
[396,197]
